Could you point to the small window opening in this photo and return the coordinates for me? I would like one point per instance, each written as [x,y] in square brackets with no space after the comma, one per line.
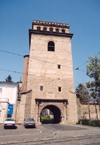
[59,89]
[51,46]
[38,28]
[41,88]
[51,30]
[57,30]
[63,31]
[59,66]
[44,29]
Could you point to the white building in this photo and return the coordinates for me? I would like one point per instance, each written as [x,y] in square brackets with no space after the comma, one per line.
[8,100]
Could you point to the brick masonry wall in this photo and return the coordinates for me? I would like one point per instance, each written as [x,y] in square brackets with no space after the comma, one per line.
[25,73]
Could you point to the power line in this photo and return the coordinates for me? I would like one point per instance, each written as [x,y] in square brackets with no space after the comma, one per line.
[84,63]
[48,61]
[12,71]
[38,59]
[11,53]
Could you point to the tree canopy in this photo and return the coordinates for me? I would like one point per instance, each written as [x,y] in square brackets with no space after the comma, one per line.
[93,71]
[9,79]
[83,92]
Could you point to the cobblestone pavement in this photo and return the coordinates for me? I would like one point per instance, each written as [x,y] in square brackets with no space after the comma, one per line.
[54,134]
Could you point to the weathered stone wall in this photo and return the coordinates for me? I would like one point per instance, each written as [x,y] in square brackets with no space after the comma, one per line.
[20,113]
[43,71]
[28,105]
[94,111]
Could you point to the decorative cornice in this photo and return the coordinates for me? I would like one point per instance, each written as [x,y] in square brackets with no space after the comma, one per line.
[47,23]
[41,32]
[50,33]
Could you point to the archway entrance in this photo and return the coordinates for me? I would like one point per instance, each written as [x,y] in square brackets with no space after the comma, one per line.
[52,113]
[58,107]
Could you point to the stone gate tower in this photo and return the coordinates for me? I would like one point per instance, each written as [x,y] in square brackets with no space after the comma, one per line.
[48,74]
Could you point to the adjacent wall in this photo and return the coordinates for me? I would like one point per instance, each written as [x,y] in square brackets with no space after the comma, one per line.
[94,111]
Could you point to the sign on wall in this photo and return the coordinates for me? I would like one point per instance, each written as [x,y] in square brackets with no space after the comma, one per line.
[10,109]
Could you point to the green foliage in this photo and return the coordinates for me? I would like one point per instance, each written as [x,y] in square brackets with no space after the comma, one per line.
[8,79]
[82,91]
[93,71]
[89,122]
[46,118]
[92,123]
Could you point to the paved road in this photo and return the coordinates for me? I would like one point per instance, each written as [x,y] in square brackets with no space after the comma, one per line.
[54,134]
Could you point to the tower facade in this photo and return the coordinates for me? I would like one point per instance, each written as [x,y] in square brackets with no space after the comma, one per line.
[49,69]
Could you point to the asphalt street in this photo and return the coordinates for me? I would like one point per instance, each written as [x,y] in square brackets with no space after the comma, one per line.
[55,134]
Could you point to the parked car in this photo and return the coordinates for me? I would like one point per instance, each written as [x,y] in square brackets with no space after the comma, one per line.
[9,122]
[29,122]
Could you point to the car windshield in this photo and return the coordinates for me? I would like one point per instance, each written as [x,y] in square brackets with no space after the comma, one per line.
[29,119]
[9,119]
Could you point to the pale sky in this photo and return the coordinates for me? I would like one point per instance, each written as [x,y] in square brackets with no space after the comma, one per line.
[16,17]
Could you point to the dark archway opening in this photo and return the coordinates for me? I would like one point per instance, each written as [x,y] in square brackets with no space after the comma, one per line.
[54,111]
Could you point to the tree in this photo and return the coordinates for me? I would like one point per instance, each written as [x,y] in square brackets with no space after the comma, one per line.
[93,71]
[9,79]
[83,92]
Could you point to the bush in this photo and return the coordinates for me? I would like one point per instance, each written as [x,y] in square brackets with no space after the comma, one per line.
[83,121]
[93,124]
[89,122]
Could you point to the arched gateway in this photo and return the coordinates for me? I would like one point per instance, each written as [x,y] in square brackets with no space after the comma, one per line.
[48,74]
[56,106]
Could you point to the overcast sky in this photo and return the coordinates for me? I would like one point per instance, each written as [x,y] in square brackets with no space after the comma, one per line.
[16,17]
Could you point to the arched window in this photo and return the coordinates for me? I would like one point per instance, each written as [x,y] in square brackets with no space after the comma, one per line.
[51,46]
[51,29]
[38,28]
[57,30]
[63,31]
[44,29]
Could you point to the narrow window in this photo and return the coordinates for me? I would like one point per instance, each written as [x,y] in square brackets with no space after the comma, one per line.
[59,66]
[44,29]
[59,89]
[41,88]
[38,28]
[63,31]
[57,30]
[51,46]
[51,30]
